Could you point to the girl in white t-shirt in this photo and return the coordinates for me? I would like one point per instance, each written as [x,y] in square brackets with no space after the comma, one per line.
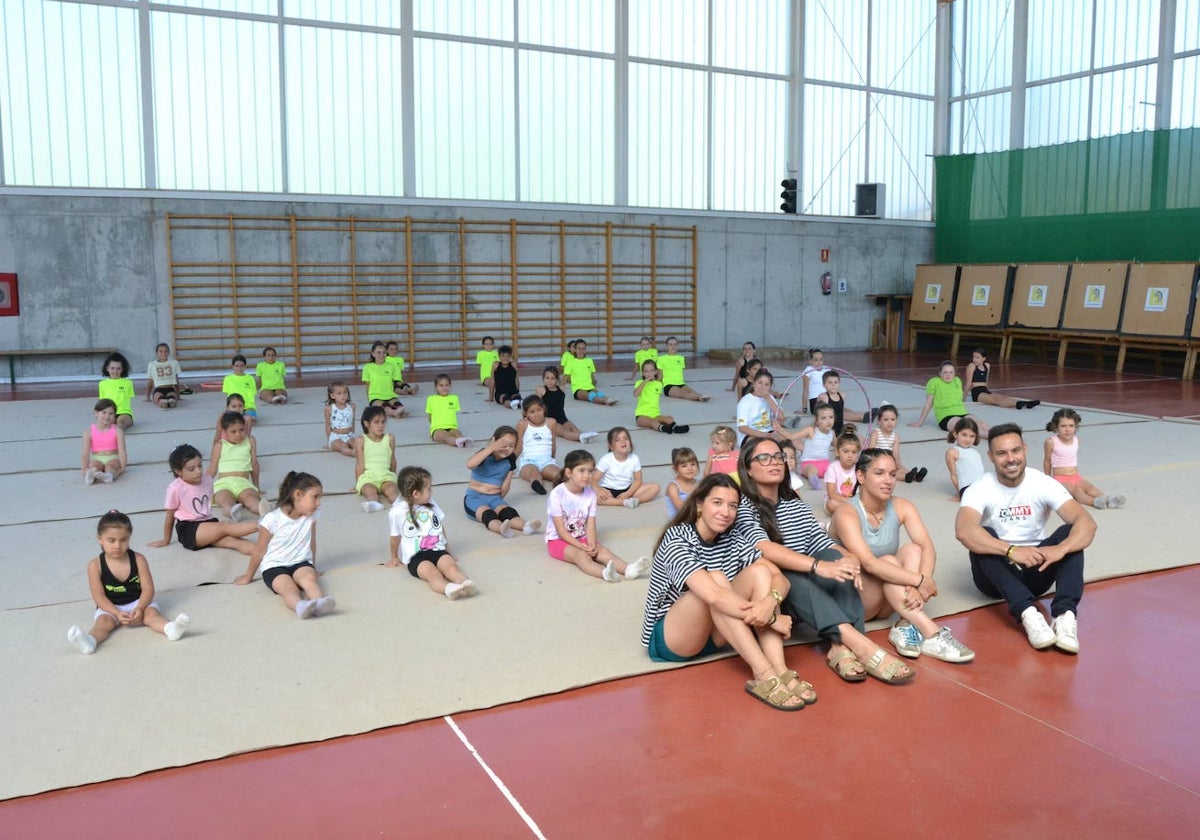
[571,524]
[287,548]
[618,476]
[840,478]
[419,539]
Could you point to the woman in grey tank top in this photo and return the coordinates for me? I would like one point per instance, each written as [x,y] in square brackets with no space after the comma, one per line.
[895,578]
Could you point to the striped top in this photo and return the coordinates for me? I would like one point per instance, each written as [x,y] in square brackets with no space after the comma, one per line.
[681,553]
[883,441]
[800,529]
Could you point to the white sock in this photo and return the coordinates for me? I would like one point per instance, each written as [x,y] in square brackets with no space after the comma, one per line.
[325,605]
[531,527]
[1101,502]
[84,643]
[89,477]
[469,588]
[506,530]
[631,502]
[454,591]
[105,476]
[610,572]
[175,629]
[638,568]
[588,437]
[234,511]
[304,609]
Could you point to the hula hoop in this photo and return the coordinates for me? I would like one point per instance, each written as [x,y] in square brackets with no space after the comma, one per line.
[211,386]
[839,372]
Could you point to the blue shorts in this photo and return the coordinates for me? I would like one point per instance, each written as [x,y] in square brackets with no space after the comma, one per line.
[659,652]
[474,500]
[251,412]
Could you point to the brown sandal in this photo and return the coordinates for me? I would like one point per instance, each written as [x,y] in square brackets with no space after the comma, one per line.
[843,666]
[804,689]
[774,693]
[893,673]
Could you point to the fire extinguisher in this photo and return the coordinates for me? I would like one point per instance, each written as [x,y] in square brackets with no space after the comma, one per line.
[826,283]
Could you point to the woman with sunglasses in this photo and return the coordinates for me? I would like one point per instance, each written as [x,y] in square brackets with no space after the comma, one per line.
[825,578]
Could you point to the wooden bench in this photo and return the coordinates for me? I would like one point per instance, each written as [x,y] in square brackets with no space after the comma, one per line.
[957,332]
[13,355]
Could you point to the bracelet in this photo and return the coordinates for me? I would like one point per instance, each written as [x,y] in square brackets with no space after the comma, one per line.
[774,593]
[1008,553]
[813,570]
[774,616]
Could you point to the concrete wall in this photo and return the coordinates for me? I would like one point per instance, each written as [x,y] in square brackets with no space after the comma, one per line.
[93,269]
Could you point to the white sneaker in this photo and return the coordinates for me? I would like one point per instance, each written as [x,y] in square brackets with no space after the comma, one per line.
[1066,632]
[945,647]
[175,629]
[610,573]
[84,643]
[906,639]
[631,502]
[1039,632]
[588,437]
[639,568]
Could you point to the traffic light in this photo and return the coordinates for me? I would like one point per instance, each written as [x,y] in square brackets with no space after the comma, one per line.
[788,195]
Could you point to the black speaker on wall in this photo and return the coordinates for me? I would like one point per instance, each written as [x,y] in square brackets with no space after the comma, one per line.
[868,200]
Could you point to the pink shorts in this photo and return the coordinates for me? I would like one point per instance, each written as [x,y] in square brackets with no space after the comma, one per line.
[1068,479]
[821,466]
[558,548]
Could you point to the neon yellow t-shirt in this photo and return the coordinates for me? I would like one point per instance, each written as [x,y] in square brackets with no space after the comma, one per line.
[120,391]
[564,364]
[648,400]
[642,355]
[442,411]
[396,363]
[271,374]
[379,382]
[241,384]
[485,359]
[581,374]
[672,365]
[947,398]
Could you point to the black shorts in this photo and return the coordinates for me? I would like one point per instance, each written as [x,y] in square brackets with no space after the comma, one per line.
[167,391]
[618,491]
[978,391]
[270,574]
[430,556]
[667,389]
[186,531]
[944,423]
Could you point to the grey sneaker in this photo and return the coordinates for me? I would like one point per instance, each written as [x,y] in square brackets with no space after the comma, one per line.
[906,639]
[945,647]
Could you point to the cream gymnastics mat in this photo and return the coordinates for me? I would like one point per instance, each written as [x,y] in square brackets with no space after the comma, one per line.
[250,676]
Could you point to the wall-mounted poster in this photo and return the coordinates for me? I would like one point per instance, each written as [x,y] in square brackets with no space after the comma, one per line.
[1037,295]
[980,296]
[933,292]
[1156,299]
[1093,297]
[10,302]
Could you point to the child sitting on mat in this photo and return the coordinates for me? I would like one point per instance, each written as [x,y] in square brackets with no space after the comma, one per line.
[122,589]
[418,538]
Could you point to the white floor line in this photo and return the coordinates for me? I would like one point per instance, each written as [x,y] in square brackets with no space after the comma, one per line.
[512,800]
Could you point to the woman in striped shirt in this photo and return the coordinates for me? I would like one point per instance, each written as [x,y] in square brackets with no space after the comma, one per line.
[705,595]
[825,579]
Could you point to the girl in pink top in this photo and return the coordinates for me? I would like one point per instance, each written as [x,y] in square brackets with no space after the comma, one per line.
[1061,460]
[189,508]
[103,446]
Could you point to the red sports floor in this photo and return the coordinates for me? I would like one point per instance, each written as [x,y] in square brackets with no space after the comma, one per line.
[1027,745]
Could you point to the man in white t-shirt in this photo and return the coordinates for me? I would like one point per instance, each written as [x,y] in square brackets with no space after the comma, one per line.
[1000,522]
